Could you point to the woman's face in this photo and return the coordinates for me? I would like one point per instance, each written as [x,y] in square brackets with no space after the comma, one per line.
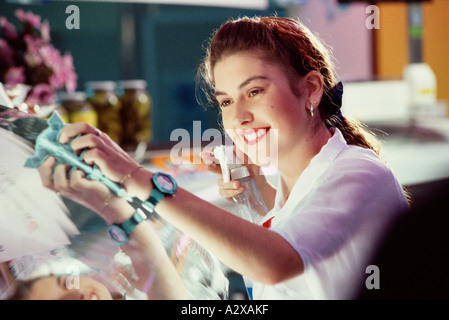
[260,112]
[63,288]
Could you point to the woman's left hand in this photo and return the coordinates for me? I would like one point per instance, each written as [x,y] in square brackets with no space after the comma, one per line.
[112,160]
[91,194]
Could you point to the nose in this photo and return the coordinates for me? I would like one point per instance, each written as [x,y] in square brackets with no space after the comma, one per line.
[242,115]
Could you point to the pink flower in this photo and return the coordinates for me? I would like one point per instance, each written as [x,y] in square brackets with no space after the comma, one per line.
[6,53]
[41,94]
[63,73]
[32,55]
[50,56]
[15,75]
[28,17]
[45,31]
[29,58]
[9,31]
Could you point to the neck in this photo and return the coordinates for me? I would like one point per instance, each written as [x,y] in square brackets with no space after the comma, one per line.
[295,161]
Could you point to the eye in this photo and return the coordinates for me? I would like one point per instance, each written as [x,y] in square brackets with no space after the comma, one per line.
[254,92]
[225,103]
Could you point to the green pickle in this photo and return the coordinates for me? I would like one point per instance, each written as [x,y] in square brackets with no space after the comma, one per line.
[108,106]
[136,112]
[75,108]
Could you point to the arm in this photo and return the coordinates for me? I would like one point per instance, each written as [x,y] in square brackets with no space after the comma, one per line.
[247,248]
[157,275]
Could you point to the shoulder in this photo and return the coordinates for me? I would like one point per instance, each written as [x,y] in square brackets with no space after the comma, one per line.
[359,171]
[358,160]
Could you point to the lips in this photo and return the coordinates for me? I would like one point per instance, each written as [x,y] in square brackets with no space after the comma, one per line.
[254,135]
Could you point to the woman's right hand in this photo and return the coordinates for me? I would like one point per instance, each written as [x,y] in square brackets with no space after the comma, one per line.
[230,189]
[227,190]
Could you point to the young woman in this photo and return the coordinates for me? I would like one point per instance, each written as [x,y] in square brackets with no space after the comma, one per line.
[274,84]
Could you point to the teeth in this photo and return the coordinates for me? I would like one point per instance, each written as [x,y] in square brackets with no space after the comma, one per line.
[94,297]
[251,136]
[254,135]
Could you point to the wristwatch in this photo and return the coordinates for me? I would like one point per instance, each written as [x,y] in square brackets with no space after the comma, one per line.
[163,185]
[120,232]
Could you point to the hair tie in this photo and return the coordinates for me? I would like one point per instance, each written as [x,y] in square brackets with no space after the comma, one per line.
[337,92]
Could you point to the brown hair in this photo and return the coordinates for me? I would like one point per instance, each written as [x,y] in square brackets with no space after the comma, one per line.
[289,43]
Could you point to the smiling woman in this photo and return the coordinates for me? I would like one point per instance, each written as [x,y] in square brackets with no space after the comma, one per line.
[334,199]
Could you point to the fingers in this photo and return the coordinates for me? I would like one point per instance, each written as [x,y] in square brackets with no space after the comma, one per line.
[75,129]
[91,139]
[214,168]
[46,171]
[229,189]
[87,141]
[95,156]
[209,160]
[60,181]
[54,178]
[77,181]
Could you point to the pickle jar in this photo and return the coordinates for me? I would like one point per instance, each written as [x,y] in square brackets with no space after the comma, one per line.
[76,108]
[136,112]
[103,98]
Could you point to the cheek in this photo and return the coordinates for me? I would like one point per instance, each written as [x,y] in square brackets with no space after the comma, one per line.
[225,120]
[227,126]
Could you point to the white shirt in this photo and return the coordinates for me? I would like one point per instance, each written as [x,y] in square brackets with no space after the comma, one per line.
[335,217]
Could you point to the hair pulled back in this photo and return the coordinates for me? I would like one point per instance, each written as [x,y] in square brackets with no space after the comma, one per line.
[289,43]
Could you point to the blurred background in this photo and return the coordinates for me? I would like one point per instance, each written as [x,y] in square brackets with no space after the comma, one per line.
[392,57]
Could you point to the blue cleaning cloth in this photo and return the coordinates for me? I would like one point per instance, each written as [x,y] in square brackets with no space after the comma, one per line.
[47,144]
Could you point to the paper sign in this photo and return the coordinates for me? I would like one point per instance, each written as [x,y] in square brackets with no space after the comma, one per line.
[33,219]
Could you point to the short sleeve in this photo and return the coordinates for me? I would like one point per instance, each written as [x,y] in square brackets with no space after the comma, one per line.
[338,224]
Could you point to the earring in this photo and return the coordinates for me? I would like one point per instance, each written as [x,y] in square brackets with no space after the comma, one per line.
[311,109]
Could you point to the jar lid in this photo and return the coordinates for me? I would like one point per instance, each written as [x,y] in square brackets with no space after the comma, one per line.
[239,173]
[133,84]
[72,96]
[101,85]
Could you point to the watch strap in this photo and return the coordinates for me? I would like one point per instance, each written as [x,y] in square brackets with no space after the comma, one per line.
[126,228]
[129,225]
[155,197]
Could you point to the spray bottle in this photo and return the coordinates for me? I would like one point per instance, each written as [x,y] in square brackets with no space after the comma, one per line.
[250,204]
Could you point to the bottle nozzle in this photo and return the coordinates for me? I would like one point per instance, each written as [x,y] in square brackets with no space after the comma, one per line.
[239,173]
[225,155]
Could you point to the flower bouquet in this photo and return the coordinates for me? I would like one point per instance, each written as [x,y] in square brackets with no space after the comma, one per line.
[29,61]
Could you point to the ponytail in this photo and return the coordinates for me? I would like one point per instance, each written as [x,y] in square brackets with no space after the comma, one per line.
[354,132]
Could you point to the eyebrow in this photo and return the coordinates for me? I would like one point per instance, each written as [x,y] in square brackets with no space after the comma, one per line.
[244,83]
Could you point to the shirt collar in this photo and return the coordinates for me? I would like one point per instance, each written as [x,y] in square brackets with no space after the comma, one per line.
[317,166]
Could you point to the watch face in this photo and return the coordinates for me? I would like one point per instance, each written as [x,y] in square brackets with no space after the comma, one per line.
[117,234]
[165,182]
